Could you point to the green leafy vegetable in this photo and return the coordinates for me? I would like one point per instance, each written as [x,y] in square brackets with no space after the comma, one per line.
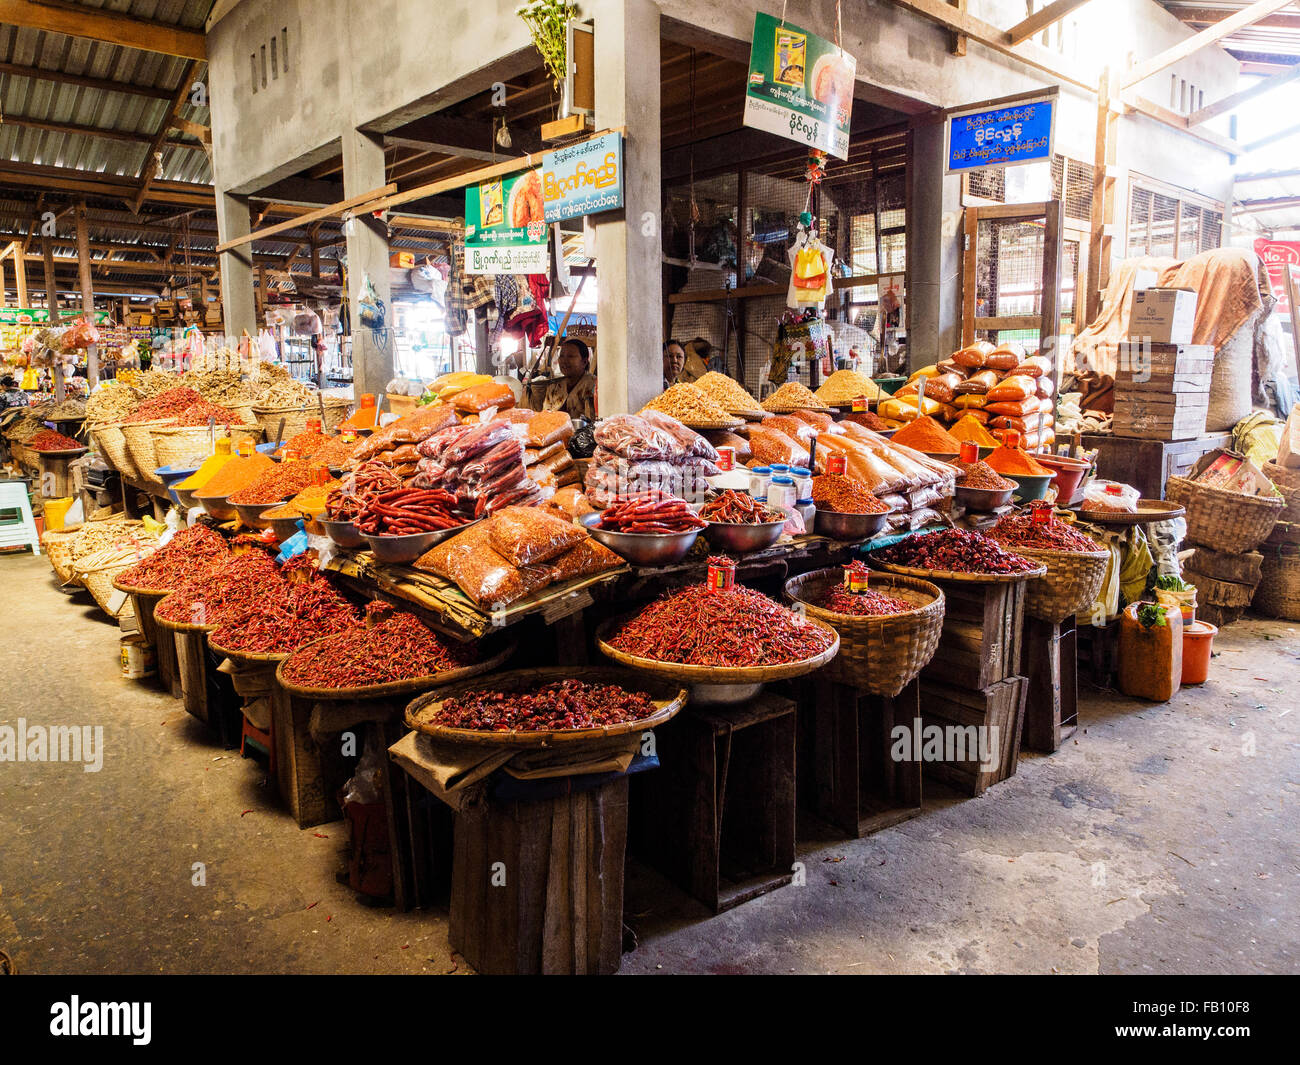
[1169,583]
[1149,615]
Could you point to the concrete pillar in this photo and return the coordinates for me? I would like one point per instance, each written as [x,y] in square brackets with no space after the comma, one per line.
[20,273]
[629,311]
[237,306]
[87,288]
[934,250]
[367,237]
[4,292]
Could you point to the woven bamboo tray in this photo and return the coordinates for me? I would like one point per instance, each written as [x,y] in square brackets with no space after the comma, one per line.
[110,443]
[1222,520]
[422,713]
[155,593]
[1070,585]
[951,575]
[181,626]
[881,655]
[1278,592]
[1149,510]
[396,687]
[729,424]
[295,418]
[791,410]
[716,675]
[246,658]
[140,445]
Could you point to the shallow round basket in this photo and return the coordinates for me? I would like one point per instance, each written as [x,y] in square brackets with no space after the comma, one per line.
[849,526]
[1070,585]
[58,549]
[729,424]
[66,453]
[741,676]
[182,626]
[217,507]
[941,456]
[422,714]
[730,536]
[982,499]
[343,533]
[397,687]
[400,549]
[1223,520]
[881,655]
[139,443]
[248,659]
[296,418]
[643,549]
[251,513]
[953,575]
[790,410]
[1029,486]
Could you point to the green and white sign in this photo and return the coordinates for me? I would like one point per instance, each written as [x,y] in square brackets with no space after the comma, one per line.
[505,226]
[800,86]
[41,316]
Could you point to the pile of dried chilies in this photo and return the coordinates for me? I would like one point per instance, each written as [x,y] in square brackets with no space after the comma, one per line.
[954,551]
[567,704]
[738,508]
[189,552]
[649,512]
[1021,530]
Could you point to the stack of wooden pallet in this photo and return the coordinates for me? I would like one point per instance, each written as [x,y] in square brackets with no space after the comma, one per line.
[1162,391]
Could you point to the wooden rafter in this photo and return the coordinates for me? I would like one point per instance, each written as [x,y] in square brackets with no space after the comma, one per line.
[1173,119]
[92,24]
[149,170]
[126,136]
[1041,19]
[102,84]
[1228,103]
[117,187]
[1272,138]
[1193,44]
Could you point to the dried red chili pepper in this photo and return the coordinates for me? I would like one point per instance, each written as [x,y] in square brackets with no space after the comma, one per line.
[568,704]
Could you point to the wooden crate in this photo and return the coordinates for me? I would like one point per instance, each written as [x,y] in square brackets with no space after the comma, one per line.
[1000,706]
[982,627]
[1146,367]
[308,773]
[718,818]
[1160,415]
[847,776]
[207,693]
[537,887]
[1148,464]
[1052,699]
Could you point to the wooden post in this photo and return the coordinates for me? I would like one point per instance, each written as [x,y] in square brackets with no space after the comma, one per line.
[1103,194]
[87,289]
[52,306]
[4,293]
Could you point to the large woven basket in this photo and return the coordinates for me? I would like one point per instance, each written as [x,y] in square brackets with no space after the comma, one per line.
[295,418]
[112,445]
[245,412]
[1288,483]
[1223,520]
[58,549]
[99,583]
[139,442]
[1071,584]
[182,447]
[881,655]
[1278,592]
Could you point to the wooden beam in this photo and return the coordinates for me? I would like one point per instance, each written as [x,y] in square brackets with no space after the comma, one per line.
[1273,203]
[20,273]
[1103,197]
[332,211]
[120,266]
[194,129]
[126,136]
[83,259]
[1193,44]
[1265,175]
[102,84]
[1041,19]
[990,36]
[1208,16]
[116,187]
[97,25]
[1176,121]
[1234,100]
[957,41]
[149,171]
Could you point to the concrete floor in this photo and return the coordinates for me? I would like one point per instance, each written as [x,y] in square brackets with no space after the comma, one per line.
[1148,843]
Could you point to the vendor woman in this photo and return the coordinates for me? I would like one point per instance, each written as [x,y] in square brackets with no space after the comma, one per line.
[575,391]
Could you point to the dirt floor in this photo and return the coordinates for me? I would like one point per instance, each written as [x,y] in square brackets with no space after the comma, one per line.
[1160,838]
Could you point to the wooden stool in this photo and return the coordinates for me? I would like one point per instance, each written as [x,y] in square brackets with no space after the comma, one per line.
[1000,706]
[1052,703]
[848,776]
[252,736]
[718,817]
[537,887]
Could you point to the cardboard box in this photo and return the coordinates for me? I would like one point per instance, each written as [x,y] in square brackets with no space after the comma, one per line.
[1165,315]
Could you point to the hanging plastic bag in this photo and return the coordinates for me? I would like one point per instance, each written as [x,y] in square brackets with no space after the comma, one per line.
[266,349]
[372,310]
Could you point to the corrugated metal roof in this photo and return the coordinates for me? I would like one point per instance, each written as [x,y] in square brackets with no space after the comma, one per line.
[1276,35]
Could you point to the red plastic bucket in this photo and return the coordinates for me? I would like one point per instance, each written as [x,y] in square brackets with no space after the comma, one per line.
[1198,640]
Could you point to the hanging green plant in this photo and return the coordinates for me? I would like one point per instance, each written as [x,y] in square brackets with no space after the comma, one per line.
[547,21]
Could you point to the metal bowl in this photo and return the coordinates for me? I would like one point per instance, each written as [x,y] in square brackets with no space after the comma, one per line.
[409,547]
[218,508]
[849,526]
[185,497]
[983,499]
[742,538]
[283,528]
[941,456]
[251,513]
[343,533]
[1031,487]
[643,549]
[171,476]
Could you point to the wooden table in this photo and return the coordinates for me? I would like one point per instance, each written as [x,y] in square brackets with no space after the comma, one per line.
[1148,464]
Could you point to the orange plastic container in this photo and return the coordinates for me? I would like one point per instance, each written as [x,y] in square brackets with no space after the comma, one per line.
[1198,642]
[1150,660]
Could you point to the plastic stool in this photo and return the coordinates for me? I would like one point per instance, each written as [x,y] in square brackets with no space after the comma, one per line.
[254,737]
[19,531]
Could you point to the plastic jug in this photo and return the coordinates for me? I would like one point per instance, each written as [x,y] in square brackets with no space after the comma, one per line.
[55,511]
[1150,659]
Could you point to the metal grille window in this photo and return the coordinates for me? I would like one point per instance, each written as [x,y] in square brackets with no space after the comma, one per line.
[715,207]
[1163,223]
[1071,184]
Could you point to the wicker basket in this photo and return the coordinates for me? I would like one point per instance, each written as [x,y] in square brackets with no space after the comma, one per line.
[99,583]
[881,655]
[112,445]
[1071,584]
[185,446]
[295,418]
[1282,476]
[58,549]
[245,412]
[1288,483]
[1278,593]
[1222,520]
[139,442]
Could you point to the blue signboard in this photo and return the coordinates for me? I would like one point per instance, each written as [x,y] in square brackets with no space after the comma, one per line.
[1019,132]
[584,178]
